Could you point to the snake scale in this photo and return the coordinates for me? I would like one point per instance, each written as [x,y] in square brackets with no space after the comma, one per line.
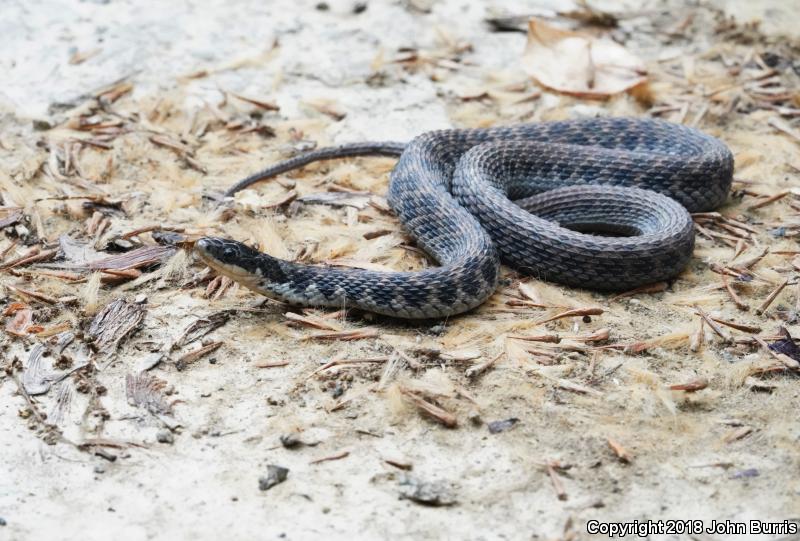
[594,203]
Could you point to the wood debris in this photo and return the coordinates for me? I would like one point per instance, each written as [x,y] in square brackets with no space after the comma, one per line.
[431,410]
[200,328]
[621,452]
[145,390]
[114,323]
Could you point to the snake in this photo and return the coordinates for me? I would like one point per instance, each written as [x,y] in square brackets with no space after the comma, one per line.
[600,203]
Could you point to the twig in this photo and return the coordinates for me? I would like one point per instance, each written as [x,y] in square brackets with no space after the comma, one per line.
[658,287]
[734,297]
[473,371]
[752,329]
[619,450]
[34,257]
[558,486]
[272,364]
[355,334]
[769,200]
[432,410]
[764,305]
[712,324]
[577,312]
[337,456]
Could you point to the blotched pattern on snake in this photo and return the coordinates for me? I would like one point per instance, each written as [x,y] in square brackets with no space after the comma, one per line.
[596,203]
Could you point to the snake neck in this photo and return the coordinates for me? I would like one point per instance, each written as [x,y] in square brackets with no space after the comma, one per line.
[247,266]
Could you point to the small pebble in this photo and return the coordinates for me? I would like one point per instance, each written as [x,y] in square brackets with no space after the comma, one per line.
[275,476]
[745,474]
[290,441]
[438,329]
[2,521]
[495,427]
[165,436]
[99,469]
[41,125]
[434,494]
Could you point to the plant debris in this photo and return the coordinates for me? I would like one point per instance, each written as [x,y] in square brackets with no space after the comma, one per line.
[145,390]
[114,323]
[579,64]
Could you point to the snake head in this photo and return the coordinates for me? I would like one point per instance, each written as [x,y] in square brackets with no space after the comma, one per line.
[238,261]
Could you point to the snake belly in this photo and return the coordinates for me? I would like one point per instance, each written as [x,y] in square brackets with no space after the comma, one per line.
[596,203]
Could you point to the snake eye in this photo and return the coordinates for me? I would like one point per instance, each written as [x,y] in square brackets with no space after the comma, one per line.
[229,252]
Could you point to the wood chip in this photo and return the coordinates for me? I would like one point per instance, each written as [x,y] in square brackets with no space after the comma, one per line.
[140,257]
[114,323]
[200,328]
[193,356]
[622,453]
[690,386]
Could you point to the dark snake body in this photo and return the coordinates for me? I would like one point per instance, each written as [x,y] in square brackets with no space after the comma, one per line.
[527,195]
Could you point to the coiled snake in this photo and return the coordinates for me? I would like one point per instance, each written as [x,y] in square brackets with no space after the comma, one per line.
[596,203]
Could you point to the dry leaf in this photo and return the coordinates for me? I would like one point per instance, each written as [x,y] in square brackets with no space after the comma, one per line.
[579,64]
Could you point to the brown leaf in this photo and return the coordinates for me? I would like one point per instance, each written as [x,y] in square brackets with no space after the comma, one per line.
[579,64]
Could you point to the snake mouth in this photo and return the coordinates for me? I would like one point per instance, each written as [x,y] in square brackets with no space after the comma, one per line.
[220,254]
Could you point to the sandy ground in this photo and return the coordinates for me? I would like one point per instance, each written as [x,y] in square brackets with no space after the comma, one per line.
[602,433]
